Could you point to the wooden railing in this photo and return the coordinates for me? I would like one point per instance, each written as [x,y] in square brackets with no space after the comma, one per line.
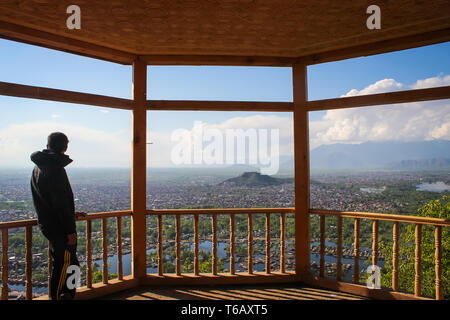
[214,213]
[375,218]
[281,274]
[29,224]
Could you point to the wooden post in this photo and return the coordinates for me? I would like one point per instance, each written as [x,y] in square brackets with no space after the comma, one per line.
[356,253]
[196,246]
[138,171]
[375,243]
[214,244]
[283,242]
[88,253]
[267,243]
[105,250]
[322,246]
[119,248]
[28,263]
[301,152]
[339,250]
[232,236]
[374,248]
[4,264]
[418,262]
[438,263]
[50,266]
[160,246]
[395,257]
[250,243]
[178,245]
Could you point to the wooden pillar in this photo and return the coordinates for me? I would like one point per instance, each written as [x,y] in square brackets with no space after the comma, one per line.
[138,170]
[301,153]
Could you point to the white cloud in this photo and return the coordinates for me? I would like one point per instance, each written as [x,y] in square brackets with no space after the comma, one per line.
[404,122]
[159,153]
[87,147]
[55,116]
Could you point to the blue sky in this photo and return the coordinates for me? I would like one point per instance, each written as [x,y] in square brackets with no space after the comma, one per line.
[25,64]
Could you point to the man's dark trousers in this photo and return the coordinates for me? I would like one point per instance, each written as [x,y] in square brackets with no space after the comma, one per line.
[63,255]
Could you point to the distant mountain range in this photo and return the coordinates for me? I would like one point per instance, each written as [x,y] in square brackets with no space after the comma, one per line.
[436,163]
[382,155]
[255,179]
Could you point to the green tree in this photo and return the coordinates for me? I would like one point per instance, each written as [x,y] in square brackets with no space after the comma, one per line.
[434,209]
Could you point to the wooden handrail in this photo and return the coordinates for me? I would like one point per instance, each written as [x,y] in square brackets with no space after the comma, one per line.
[218,211]
[384,217]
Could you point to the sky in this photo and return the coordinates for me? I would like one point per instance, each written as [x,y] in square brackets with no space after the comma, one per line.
[101,137]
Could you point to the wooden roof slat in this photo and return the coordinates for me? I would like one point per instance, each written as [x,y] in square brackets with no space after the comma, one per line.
[20,33]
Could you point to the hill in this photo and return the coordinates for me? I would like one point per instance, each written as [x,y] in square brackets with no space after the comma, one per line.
[255,179]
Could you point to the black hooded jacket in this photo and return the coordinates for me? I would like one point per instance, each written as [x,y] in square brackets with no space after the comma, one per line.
[52,194]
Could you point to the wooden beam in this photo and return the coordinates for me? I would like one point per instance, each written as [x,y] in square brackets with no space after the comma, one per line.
[220,278]
[218,60]
[195,105]
[383,46]
[406,96]
[301,152]
[138,171]
[32,92]
[11,31]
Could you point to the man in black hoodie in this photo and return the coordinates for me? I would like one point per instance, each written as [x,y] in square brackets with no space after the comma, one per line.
[54,204]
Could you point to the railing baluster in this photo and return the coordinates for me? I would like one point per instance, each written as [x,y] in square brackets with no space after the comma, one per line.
[322,246]
[375,243]
[250,244]
[196,246]
[49,265]
[395,257]
[418,262]
[119,248]
[160,246]
[356,253]
[89,253]
[105,250]
[28,263]
[214,244]
[232,227]
[339,250]
[5,264]
[267,243]
[374,248]
[283,242]
[438,264]
[178,245]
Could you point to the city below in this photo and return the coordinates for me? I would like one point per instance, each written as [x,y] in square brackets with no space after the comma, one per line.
[102,190]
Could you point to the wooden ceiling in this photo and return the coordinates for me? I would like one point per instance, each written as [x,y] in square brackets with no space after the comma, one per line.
[263,28]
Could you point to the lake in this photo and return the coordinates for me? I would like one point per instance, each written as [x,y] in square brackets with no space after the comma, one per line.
[438,186]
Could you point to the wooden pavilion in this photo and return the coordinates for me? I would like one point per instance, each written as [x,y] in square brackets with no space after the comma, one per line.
[288,33]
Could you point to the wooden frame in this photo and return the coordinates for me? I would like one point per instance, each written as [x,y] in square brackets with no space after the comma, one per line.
[405,96]
[196,105]
[301,158]
[42,93]
[11,31]
[139,168]
[300,108]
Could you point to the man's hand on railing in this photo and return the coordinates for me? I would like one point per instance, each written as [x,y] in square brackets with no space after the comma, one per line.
[80,215]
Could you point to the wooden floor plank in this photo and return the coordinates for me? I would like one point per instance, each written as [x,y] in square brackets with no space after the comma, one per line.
[232,292]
